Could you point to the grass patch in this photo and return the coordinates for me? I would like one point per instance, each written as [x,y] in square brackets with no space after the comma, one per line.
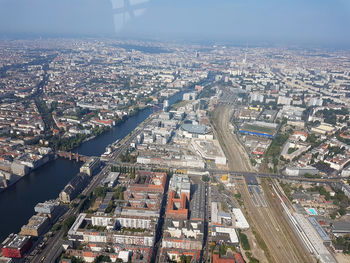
[256,128]
[244,241]
[180,104]
[263,245]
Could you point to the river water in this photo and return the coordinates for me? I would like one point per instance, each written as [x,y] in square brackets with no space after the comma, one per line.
[17,203]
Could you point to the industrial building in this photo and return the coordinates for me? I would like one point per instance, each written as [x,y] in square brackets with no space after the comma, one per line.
[36,226]
[341,228]
[90,166]
[239,219]
[73,188]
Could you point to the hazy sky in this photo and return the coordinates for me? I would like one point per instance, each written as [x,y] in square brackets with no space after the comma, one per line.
[325,22]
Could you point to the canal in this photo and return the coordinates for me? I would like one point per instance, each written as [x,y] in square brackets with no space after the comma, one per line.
[17,203]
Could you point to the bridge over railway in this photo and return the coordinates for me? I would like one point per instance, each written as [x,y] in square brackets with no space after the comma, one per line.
[233,173]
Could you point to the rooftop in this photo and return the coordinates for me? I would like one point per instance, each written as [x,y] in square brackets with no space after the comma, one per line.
[199,129]
[15,241]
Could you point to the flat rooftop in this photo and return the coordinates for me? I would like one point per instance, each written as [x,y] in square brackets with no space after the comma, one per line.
[199,129]
[15,241]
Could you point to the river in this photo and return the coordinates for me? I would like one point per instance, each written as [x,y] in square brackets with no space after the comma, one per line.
[17,203]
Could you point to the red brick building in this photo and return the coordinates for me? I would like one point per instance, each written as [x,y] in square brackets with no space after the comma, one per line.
[15,246]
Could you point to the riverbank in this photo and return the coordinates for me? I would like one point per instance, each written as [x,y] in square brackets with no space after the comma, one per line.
[47,182]
[14,178]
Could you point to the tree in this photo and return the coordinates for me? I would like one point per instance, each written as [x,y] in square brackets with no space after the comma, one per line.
[205,178]
[68,223]
[102,258]
[100,191]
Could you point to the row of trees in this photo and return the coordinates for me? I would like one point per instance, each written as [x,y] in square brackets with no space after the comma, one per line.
[124,170]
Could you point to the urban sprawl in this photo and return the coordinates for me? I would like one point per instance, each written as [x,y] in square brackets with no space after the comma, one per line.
[252,164]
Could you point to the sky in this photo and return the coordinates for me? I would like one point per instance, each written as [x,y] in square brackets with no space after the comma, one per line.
[309,22]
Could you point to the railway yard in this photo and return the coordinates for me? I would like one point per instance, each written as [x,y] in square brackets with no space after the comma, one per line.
[270,230]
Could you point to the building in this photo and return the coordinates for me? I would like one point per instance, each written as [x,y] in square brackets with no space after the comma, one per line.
[36,226]
[284,100]
[180,183]
[152,182]
[189,96]
[174,254]
[324,129]
[177,206]
[136,222]
[323,235]
[196,131]
[340,228]
[209,150]
[90,166]
[184,228]
[315,102]
[300,171]
[312,239]
[224,234]
[103,220]
[346,189]
[297,148]
[179,197]
[49,208]
[256,97]
[73,188]
[183,243]
[130,238]
[19,169]
[111,179]
[239,219]
[15,246]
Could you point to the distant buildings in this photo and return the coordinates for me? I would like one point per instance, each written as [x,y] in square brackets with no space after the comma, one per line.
[315,102]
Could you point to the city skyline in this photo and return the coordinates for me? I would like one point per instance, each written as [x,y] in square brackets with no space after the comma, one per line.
[303,23]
